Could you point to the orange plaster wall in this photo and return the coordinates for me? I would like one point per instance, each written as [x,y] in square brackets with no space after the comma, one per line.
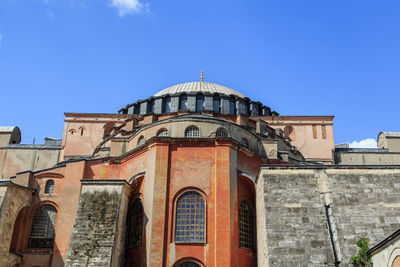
[190,168]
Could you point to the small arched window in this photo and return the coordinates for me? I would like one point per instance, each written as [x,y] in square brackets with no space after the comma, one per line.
[140,141]
[288,131]
[192,132]
[72,131]
[188,264]
[244,142]
[246,239]
[49,188]
[135,223]
[163,132]
[82,129]
[43,228]
[221,133]
[190,218]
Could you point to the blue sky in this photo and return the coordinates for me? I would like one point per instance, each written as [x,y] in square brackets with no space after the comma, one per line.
[331,57]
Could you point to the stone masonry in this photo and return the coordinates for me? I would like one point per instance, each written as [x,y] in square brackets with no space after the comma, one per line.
[299,201]
[97,232]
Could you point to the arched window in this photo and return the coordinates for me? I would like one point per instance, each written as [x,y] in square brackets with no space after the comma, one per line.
[72,131]
[221,133]
[188,264]
[246,239]
[135,223]
[192,132]
[190,218]
[244,142]
[43,228]
[49,188]
[82,129]
[288,131]
[163,132]
[140,141]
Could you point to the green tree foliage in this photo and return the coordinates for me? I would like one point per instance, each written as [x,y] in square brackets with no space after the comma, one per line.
[362,258]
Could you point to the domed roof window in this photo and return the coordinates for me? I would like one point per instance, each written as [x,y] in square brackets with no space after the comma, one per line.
[199,87]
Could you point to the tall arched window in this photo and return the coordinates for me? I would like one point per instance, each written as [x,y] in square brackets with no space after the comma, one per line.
[135,223]
[190,218]
[49,188]
[192,132]
[221,133]
[246,239]
[43,228]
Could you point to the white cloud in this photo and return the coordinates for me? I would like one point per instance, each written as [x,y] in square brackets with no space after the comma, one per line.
[366,143]
[126,7]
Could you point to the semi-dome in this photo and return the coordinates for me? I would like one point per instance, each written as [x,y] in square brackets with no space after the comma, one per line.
[198,87]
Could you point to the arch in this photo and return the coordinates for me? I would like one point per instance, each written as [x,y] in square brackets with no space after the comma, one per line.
[141,140]
[135,223]
[246,225]
[192,132]
[288,131]
[72,131]
[221,133]
[162,132]
[192,260]
[108,127]
[49,188]
[20,232]
[396,262]
[244,142]
[43,228]
[393,255]
[190,217]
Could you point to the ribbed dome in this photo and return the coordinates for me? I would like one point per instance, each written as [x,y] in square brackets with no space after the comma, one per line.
[199,87]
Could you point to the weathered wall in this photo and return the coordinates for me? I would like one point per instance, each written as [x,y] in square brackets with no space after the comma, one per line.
[97,237]
[367,158]
[295,222]
[363,202]
[24,158]
[12,199]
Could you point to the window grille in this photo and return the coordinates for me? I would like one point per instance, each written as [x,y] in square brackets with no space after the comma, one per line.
[192,132]
[135,223]
[163,132]
[246,225]
[221,133]
[43,226]
[141,141]
[189,264]
[49,188]
[190,218]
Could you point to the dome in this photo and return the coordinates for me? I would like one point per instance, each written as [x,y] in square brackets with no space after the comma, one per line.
[199,87]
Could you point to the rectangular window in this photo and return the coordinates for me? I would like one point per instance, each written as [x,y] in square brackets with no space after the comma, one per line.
[314,130]
[323,129]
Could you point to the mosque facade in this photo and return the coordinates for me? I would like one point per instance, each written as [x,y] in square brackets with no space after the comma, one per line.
[196,175]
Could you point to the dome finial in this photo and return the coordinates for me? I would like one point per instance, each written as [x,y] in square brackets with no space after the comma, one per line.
[201,76]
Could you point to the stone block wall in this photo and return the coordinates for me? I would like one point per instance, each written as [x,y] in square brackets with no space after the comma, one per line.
[361,202]
[295,221]
[97,236]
